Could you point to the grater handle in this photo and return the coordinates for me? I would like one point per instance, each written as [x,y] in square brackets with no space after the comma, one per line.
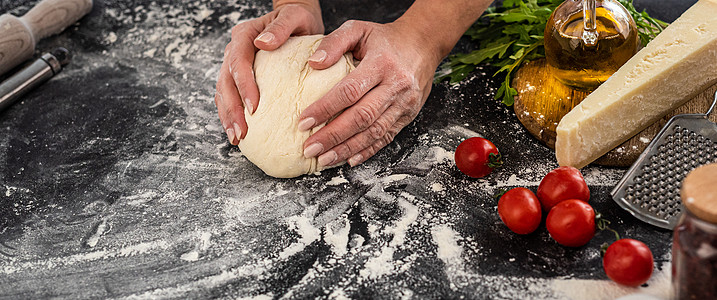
[712,107]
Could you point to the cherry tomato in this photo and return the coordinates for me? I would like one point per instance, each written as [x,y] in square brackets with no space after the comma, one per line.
[571,223]
[519,209]
[628,262]
[476,157]
[561,184]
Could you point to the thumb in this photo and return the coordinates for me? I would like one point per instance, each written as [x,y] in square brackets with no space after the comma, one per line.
[333,46]
[278,31]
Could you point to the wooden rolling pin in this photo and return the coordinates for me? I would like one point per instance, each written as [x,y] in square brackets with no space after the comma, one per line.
[18,36]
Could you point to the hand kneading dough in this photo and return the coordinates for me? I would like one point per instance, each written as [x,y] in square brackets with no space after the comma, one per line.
[287,85]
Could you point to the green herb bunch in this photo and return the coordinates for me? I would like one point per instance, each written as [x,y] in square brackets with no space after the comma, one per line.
[512,33]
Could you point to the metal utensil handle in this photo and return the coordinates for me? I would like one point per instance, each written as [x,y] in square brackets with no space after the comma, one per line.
[712,107]
[32,76]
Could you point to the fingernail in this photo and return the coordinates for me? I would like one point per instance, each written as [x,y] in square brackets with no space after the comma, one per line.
[306,124]
[355,160]
[327,158]
[265,37]
[237,130]
[313,150]
[230,135]
[249,107]
[318,56]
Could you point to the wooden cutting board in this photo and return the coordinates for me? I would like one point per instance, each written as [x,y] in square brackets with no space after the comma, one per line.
[542,101]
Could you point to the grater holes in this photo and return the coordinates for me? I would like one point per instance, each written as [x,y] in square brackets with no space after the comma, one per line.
[693,142]
[670,166]
[656,190]
[662,198]
[661,150]
[647,168]
[630,198]
[654,173]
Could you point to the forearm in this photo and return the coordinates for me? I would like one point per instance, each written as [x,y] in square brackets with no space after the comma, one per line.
[441,23]
[313,4]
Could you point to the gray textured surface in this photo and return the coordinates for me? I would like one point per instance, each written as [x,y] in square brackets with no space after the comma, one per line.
[117,181]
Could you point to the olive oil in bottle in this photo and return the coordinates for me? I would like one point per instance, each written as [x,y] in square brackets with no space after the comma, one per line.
[586,41]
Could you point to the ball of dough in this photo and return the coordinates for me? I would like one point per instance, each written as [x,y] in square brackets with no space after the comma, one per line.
[287,85]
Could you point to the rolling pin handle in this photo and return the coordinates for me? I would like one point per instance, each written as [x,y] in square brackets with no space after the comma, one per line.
[53,16]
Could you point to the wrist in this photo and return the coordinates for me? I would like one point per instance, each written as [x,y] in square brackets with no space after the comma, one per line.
[439,23]
[311,5]
[429,46]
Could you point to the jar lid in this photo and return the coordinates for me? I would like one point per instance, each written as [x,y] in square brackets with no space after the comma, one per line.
[699,192]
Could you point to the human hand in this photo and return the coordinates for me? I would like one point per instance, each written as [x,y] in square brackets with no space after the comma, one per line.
[381,96]
[236,87]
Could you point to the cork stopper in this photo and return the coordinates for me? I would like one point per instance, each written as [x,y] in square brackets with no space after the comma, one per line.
[699,192]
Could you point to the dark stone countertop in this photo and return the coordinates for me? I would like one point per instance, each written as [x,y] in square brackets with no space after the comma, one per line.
[116,181]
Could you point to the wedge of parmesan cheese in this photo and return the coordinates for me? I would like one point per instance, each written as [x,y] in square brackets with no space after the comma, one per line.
[677,65]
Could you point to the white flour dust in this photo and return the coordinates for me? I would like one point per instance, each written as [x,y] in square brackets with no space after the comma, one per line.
[380,265]
[307,233]
[202,207]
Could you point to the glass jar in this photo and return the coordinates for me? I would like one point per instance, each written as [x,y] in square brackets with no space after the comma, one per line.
[586,41]
[694,246]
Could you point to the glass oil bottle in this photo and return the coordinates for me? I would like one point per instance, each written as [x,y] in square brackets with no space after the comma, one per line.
[586,41]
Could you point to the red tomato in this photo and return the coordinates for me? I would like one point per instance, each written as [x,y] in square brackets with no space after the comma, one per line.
[628,262]
[520,210]
[571,223]
[561,184]
[476,157]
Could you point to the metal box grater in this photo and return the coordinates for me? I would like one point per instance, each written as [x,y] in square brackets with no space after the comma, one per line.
[650,190]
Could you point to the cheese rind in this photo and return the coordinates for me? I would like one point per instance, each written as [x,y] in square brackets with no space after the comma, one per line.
[676,66]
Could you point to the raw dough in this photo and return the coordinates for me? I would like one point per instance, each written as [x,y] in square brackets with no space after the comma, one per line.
[287,85]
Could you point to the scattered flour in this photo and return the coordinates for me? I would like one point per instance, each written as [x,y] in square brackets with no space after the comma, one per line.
[191,47]
[141,198]
[447,241]
[250,270]
[111,38]
[513,180]
[440,155]
[10,190]
[437,187]
[307,234]
[380,265]
[56,262]
[338,180]
[337,235]
[202,245]
[101,228]
[393,178]
[659,286]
